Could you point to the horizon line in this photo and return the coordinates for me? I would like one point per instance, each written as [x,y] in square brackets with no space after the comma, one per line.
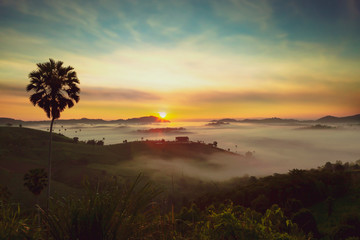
[182,119]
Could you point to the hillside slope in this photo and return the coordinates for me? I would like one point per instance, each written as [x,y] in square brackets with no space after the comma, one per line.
[22,149]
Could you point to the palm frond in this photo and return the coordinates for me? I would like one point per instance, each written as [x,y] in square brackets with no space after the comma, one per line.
[69,103]
[44,103]
[37,97]
[52,63]
[58,65]
[30,87]
[35,75]
[55,87]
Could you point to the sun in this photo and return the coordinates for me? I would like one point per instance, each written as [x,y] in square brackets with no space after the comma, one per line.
[162,114]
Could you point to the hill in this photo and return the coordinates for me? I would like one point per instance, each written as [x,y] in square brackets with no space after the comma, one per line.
[140,120]
[22,149]
[275,120]
[332,119]
[304,196]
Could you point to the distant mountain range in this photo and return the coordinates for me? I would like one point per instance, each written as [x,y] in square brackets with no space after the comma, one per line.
[327,119]
[153,119]
[332,119]
[140,120]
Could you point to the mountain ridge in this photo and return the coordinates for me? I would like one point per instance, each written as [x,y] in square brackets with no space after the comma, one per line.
[328,119]
[333,119]
[153,119]
[139,120]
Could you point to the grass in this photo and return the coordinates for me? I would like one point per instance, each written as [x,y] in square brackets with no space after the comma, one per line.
[106,211]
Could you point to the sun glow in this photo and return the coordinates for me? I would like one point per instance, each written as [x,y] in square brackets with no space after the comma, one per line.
[162,114]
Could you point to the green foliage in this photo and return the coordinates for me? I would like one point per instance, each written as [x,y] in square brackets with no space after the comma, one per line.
[260,203]
[343,232]
[352,219]
[292,206]
[240,223]
[306,221]
[109,211]
[349,227]
[187,219]
[279,188]
[343,208]
[329,204]
[12,224]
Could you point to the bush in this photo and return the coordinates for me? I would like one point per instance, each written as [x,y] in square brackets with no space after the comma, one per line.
[343,232]
[240,223]
[306,221]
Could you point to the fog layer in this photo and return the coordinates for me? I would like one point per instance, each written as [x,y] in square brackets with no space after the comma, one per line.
[274,148]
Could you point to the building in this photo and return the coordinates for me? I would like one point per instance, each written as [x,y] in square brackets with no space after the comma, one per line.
[182,139]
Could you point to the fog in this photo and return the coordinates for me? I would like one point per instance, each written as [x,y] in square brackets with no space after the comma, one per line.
[274,148]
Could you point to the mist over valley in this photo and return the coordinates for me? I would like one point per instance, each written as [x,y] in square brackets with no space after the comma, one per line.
[258,148]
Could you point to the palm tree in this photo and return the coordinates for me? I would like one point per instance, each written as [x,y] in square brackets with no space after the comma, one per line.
[36,180]
[55,89]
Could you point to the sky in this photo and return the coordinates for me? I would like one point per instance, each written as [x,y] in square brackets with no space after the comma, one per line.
[199,59]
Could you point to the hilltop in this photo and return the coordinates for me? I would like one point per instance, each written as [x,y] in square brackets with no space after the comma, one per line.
[332,119]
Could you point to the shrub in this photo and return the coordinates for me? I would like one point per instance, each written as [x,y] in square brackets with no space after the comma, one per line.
[306,221]
[240,223]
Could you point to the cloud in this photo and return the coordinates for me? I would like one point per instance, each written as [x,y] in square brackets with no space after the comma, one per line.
[91,93]
[258,96]
[64,12]
[111,94]
[178,52]
[315,96]
[244,11]
[12,90]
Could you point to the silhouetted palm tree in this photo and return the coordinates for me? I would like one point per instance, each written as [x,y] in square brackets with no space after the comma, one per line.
[55,89]
[36,180]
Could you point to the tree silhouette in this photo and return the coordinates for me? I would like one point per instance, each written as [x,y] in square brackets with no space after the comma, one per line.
[55,89]
[36,180]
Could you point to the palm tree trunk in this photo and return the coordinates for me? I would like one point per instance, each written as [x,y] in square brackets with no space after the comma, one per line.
[49,164]
[38,210]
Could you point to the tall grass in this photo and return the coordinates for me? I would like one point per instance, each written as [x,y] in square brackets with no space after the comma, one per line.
[12,224]
[107,210]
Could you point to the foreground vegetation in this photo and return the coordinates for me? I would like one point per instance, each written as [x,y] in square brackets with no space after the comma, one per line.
[129,211]
[137,209]
[321,203]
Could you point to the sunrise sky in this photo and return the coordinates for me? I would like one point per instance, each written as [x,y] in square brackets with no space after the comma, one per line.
[191,59]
